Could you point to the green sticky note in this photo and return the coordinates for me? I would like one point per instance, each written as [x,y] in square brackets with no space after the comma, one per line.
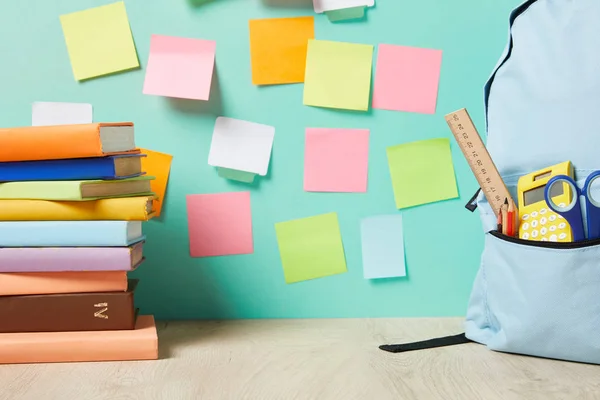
[311,247]
[235,175]
[346,14]
[99,41]
[422,172]
[338,75]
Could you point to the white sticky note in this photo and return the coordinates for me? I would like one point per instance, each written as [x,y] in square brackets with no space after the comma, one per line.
[241,145]
[321,6]
[51,113]
[383,247]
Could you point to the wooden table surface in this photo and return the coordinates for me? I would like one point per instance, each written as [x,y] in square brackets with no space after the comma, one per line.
[306,359]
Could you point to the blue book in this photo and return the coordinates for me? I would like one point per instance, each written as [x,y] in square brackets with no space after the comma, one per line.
[70,233]
[79,169]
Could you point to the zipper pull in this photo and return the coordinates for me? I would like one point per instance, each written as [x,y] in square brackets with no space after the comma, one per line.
[472,204]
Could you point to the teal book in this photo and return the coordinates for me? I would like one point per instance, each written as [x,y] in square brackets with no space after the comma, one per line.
[70,233]
[76,190]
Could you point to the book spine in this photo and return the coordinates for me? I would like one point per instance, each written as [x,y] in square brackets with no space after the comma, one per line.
[67,312]
[140,343]
[48,170]
[61,259]
[14,284]
[50,142]
[124,208]
[41,190]
[64,234]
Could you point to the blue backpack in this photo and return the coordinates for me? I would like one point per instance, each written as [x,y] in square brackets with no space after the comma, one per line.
[542,105]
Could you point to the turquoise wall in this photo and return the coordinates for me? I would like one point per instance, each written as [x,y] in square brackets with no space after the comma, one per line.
[443,240]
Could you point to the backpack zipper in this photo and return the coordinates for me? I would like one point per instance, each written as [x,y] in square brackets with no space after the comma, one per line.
[548,245]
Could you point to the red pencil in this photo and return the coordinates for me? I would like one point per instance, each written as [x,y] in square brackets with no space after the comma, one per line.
[511,219]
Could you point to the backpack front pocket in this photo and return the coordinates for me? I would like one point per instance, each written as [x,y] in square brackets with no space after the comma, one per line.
[542,298]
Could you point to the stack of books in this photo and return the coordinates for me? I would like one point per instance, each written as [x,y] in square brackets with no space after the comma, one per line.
[72,202]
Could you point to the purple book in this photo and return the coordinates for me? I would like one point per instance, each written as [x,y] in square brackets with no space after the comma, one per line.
[61,259]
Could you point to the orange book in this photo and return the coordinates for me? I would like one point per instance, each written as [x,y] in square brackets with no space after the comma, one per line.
[22,283]
[33,143]
[140,343]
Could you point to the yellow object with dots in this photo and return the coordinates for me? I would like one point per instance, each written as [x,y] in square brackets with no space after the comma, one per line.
[536,220]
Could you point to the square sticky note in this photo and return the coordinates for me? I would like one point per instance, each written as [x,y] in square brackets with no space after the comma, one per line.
[157,165]
[180,67]
[311,247]
[99,41]
[52,113]
[321,6]
[422,172]
[241,145]
[382,241]
[336,160]
[220,224]
[338,75]
[407,79]
[278,49]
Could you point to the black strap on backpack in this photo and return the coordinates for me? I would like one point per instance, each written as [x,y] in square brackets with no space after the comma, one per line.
[427,344]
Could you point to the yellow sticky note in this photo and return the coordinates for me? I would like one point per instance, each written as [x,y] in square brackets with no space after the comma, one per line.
[158,165]
[278,49]
[311,247]
[99,41]
[422,172]
[338,75]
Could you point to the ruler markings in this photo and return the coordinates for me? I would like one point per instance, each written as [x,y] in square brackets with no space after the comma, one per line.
[478,158]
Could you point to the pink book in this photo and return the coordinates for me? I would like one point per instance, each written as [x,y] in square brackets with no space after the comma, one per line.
[62,282]
[60,259]
[53,347]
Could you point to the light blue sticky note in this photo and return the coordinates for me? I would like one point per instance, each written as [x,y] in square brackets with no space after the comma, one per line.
[346,13]
[383,247]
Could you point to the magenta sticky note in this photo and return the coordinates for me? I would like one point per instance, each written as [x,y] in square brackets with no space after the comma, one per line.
[407,79]
[180,67]
[220,224]
[336,160]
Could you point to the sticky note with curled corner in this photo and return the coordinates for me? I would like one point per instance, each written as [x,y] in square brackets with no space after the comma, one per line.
[241,145]
[346,14]
[407,79]
[235,175]
[180,67]
[422,172]
[382,240]
[322,6]
[338,75]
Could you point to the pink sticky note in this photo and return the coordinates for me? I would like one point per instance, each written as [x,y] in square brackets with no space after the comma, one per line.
[336,160]
[180,67]
[406,79]
[219,224]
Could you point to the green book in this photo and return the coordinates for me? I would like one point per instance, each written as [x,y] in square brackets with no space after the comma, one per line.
[76,190]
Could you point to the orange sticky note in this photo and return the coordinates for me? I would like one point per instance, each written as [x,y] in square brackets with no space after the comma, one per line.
[158,165]
[278,49]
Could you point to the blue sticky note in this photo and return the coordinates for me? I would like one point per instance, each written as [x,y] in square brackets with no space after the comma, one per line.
[383,247]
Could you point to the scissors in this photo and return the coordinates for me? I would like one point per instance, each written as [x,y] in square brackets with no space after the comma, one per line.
[573,211]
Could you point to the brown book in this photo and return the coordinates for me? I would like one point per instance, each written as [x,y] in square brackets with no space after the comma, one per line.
[69,312]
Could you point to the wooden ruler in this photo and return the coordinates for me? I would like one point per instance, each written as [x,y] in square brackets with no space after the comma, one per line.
[479,159]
